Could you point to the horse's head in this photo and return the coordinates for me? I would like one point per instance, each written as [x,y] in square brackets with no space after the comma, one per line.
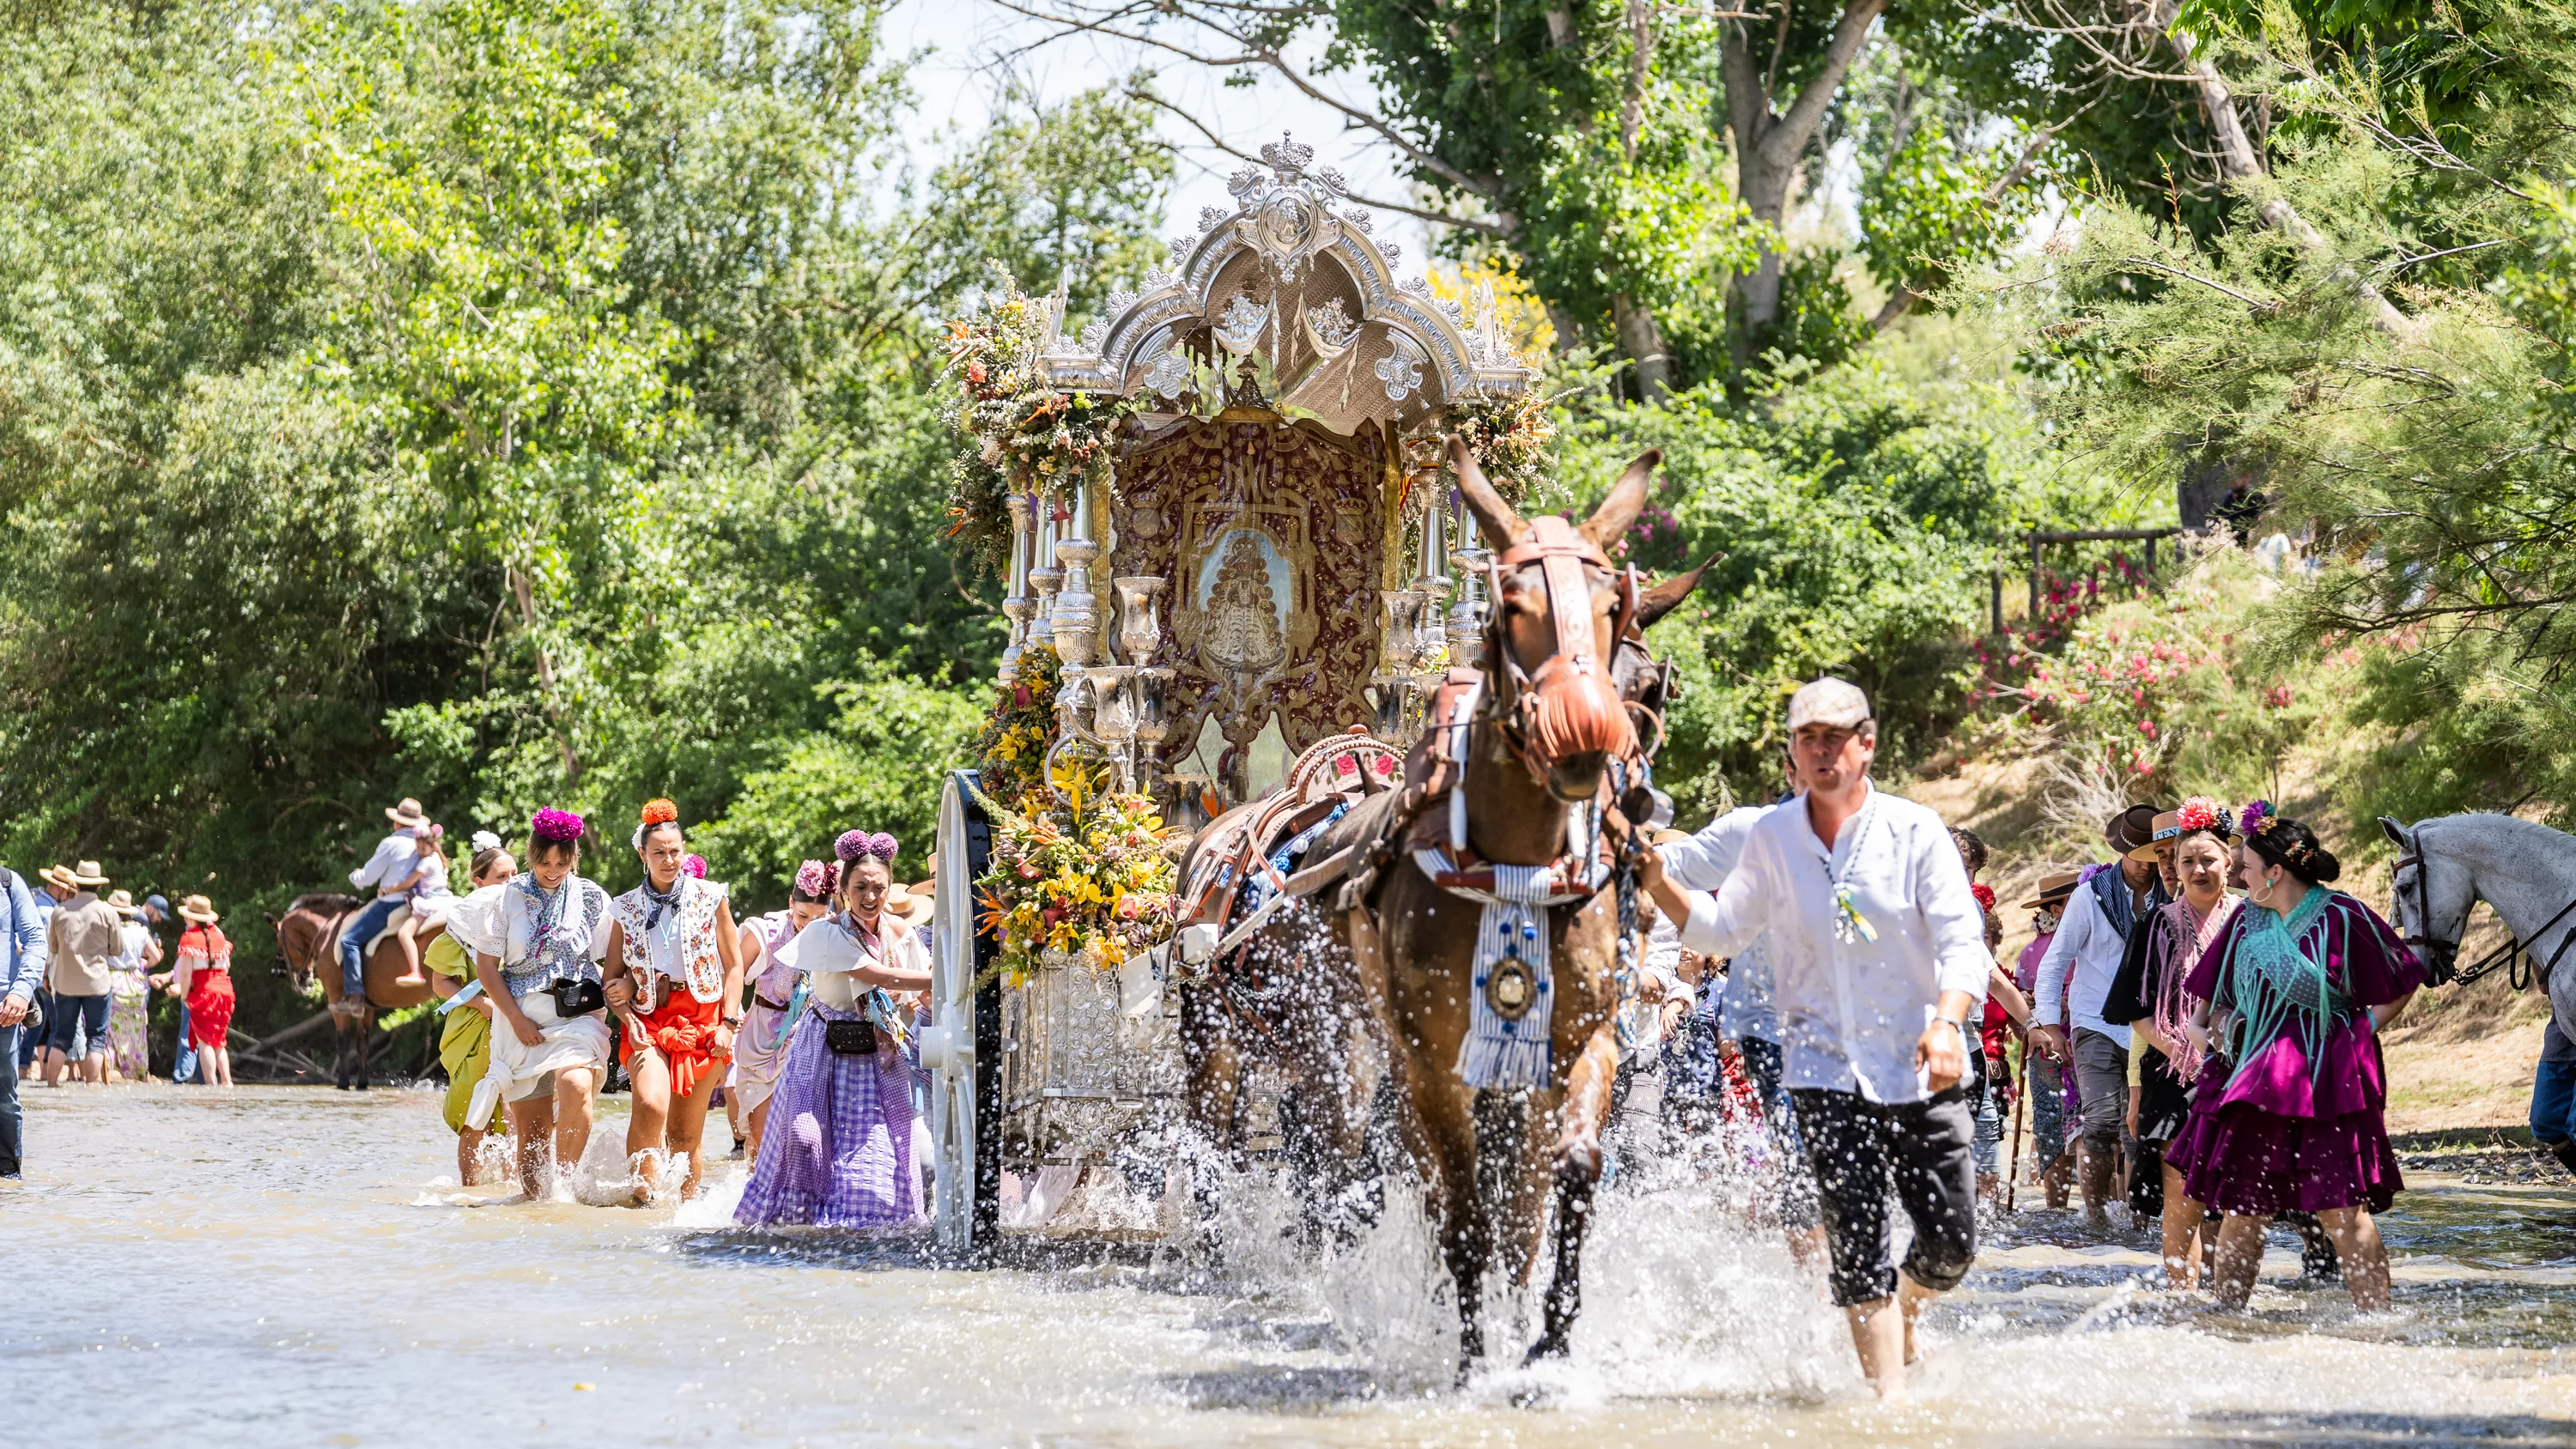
[2434,892]
[1559,612]
[301,933]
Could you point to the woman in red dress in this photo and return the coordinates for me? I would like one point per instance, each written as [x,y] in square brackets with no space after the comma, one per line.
[203,978]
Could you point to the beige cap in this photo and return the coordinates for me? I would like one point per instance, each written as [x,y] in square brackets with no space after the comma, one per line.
[1835,702]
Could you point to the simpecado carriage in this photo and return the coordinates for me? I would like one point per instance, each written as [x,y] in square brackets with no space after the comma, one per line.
[1292,661]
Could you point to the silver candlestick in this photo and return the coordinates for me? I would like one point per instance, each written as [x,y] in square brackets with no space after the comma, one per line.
[1018,606]
[1046,578]
[1140,629]
[1077,609]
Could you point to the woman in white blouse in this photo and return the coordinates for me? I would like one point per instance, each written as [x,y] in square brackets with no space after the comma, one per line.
[537,941]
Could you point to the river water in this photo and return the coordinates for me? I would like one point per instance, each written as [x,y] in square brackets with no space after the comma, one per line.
[290,1266]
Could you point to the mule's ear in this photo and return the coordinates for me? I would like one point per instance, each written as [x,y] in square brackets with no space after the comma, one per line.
[1627,496]
[1663,598]
[2396,832]
[1502,526]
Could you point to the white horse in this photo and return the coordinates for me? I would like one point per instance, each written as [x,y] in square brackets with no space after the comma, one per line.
[2526,872]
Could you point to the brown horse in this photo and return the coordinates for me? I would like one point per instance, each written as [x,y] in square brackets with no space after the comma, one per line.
[1539,749]
[308,936]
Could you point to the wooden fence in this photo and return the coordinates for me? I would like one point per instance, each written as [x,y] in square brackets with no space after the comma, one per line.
[2040,538]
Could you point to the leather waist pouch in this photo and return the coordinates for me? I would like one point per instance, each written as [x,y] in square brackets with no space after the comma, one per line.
[576,998]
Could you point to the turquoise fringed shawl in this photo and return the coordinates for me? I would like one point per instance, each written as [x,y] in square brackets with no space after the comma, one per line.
[2276,988]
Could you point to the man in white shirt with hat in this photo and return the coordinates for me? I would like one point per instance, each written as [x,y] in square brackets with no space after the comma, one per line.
[1878,959]
[389,874]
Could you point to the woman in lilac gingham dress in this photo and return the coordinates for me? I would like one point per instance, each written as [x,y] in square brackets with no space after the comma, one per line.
[836,1151]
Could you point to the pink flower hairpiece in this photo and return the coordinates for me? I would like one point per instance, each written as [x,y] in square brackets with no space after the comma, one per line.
[555,827]
[816,878]
[2202,813]
[857,845]
[695,865]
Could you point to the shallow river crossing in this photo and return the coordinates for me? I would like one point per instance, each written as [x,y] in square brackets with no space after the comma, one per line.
[291,1266]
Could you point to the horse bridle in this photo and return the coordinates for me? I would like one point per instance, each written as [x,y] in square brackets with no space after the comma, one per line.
[2441,958]
[1562,553]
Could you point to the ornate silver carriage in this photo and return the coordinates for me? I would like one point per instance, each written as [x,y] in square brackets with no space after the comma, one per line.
[1265,565]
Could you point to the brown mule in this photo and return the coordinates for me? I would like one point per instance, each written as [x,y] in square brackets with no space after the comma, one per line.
[308,937]
[1406,953]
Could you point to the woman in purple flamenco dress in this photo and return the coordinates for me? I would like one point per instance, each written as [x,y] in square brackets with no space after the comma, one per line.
[2288,1112]
[836,1145]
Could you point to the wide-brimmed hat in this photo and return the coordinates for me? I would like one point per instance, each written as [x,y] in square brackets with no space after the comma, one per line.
[2132,828]
[408,813]
[913,903]
[199,910]
[2167,825]
[72,878]
[2054,888]
[121,901]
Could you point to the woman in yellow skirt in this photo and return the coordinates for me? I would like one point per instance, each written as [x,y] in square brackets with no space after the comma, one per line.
[465,1045]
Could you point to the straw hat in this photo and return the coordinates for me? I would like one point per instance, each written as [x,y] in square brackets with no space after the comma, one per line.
[72,879]
[408,813]
[912,903]
[2053,888]
[121,901]
[199,910]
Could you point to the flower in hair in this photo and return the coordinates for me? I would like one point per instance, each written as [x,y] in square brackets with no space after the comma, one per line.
[2202,813]
[695,864]
[1984,893]
[555,827]
[2256,818]
[486,840]
[857,845]
[817,878]
[659,812]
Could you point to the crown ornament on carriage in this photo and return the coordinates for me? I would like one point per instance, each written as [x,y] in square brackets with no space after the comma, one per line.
[1288,212]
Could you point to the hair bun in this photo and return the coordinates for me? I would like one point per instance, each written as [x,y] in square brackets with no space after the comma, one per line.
[660,812]
[2322,866]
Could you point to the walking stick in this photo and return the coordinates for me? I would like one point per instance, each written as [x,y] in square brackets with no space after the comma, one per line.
[2021,1106]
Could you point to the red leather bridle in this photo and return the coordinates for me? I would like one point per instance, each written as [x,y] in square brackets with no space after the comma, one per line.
[1564,555]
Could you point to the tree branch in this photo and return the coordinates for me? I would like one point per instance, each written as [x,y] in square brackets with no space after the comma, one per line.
[1798,124]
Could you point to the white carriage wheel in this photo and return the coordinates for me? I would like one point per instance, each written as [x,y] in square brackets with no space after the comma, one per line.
[948,1047]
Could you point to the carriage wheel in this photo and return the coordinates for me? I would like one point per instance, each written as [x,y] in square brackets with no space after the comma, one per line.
[962,1047]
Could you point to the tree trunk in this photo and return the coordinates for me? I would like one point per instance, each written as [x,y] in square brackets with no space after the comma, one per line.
[1643,341]
[1769,145]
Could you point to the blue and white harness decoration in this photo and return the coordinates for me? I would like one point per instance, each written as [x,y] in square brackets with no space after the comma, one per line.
[1507,1048]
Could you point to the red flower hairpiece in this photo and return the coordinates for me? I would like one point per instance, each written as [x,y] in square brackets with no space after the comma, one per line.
[2202,813]
[660,812]
[1984,893]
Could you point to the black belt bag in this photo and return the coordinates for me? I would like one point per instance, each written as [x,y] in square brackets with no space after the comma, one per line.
[850,1038]
[578,997]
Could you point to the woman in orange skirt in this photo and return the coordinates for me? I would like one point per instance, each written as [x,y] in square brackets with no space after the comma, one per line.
[675,974]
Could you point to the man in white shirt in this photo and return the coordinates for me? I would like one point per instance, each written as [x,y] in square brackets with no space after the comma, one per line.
[1878,958]
[388,873]
[2092,936]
